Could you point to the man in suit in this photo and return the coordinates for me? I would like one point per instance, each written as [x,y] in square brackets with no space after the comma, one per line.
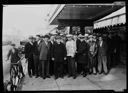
[71,50]
[102,56]
[29,56]
[43,56]
[51,63]
[36,55]
[58,56]
[82,55]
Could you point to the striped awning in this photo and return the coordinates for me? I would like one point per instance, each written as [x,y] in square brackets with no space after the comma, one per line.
[117,17]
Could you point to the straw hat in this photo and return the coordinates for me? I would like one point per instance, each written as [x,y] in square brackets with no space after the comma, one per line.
[69,35]
[86,35]
[81,36]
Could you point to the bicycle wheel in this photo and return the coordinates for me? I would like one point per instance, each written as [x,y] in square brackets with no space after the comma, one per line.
[12,78]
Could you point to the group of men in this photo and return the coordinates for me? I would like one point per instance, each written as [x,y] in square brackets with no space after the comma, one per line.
[72,55]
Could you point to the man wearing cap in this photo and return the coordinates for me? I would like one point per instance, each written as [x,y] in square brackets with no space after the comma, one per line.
[13,54]
[71,50]
[92,54]
[82,53]
[58,56]
[43,57]
[102,56]
[29,56]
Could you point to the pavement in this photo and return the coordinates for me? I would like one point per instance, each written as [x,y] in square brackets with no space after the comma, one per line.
[115,80]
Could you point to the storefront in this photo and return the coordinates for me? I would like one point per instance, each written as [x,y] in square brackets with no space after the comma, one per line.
[114,23]
[80,17]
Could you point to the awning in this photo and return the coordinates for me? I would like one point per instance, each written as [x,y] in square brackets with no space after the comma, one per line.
[114,18]
[86,14]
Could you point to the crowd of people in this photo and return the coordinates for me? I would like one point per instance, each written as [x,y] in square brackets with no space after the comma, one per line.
[71,55]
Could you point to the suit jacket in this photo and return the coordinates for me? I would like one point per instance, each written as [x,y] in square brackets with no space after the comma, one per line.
[28,50]
[35,48]
[82,52]
[59,52]
[50,50]
[102,50]
[43,51]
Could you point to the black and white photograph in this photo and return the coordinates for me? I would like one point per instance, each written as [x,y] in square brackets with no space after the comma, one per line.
[48,47]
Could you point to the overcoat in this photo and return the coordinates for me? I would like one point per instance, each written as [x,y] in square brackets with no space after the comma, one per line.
[82,52]
[59,52]
[43,51]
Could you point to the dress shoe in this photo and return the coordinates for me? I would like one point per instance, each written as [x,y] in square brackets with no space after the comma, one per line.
[94,73]
[69,75]
[74,77]
[56,78]
[48,76]
[44,77]
[84,75]
[105,73]
[23,75]
[62,76]
[30,76]
[36,77]
[100,72]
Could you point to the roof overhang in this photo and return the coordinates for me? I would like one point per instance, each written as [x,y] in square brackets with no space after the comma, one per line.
[70,14]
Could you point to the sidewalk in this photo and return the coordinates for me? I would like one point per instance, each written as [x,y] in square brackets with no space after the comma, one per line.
[115,80]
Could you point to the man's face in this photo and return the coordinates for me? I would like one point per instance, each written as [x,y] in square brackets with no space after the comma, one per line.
[100,38]
[69,38]
[81,39]
[58,40]
[37,38]
[52,38]
[46,39]
[75,37]
[12,47]
[31,40]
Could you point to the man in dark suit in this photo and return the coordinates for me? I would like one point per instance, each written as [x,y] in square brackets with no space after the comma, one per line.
[29,56]
[82,56]
[58,56]
[102,56]
[36,55]
[43,56]
[51,63]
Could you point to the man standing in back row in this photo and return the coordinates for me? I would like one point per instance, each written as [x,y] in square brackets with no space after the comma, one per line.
[43,57]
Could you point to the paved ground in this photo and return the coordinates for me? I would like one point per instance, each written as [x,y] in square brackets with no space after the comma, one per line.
[115,80]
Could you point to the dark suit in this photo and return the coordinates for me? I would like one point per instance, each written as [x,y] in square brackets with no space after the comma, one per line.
[102,57]
[117,42]
[82,55]
[43,57]
[51,63]
[36,57]
[92,56]
[58,53]
[29,56]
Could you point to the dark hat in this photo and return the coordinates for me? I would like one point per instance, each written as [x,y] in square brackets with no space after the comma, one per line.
[12,44]
[69,35]
[38,35]
[46,36]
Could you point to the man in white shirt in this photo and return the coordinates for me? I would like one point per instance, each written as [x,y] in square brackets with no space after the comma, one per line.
[71,50]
